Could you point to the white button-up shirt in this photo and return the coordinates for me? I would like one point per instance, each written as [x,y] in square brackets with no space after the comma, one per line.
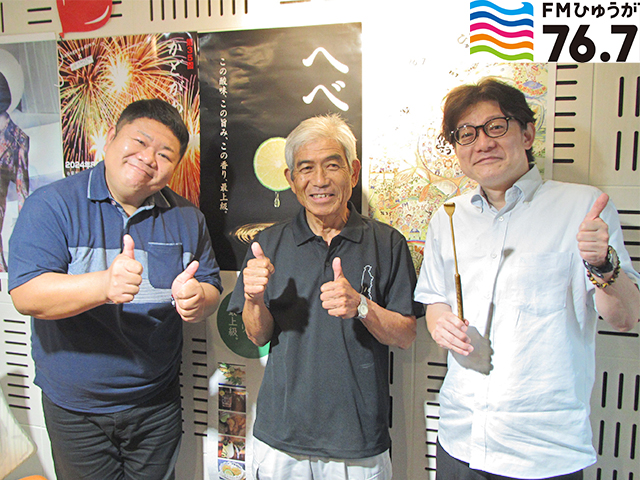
[525,289]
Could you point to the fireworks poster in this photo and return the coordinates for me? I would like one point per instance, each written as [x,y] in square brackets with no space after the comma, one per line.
[256,86]
[99,77]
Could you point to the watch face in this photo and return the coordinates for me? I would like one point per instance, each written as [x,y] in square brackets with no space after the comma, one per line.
[363,308]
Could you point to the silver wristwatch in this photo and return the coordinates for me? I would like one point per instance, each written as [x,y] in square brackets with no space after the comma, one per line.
[363,308]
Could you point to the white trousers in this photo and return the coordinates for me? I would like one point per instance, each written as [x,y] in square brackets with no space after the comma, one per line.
[272,464]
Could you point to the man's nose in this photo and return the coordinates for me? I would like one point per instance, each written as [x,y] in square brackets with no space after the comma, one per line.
[147,154]
[320,176]
[483,140]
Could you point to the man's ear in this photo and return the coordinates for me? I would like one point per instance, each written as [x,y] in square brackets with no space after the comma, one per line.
[355,171]
[111,134]
[287,175]
[529,133]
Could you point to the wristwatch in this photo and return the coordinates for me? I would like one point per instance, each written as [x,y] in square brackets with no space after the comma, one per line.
[610,264]
[363,308]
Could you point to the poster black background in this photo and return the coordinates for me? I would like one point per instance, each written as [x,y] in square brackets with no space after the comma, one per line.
[266,83]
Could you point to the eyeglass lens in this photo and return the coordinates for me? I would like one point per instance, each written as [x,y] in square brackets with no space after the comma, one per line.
[494,128]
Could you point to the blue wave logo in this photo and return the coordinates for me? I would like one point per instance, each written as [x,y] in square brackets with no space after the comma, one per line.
[505,33]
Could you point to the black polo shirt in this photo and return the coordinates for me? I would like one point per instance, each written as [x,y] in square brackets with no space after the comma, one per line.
[325,390]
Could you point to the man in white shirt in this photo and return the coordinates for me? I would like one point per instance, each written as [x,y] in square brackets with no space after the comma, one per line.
[538,261]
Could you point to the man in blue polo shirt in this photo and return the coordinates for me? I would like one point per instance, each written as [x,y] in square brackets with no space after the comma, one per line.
[331,290]
[109,262]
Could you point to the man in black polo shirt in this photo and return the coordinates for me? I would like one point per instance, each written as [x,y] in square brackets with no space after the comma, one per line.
[330,290]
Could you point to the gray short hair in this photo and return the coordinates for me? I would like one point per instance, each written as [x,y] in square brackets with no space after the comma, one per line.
[315,128]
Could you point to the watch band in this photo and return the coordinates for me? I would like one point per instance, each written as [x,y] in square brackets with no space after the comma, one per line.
[363,308]
[611,263]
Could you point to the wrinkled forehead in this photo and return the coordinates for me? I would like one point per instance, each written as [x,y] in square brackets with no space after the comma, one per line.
[320,149]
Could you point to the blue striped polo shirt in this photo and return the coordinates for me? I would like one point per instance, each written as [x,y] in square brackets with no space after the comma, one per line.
[112,357]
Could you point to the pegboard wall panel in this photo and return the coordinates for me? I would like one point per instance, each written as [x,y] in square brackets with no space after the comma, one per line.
[596,137]
[430,368]
[614,405]
[615,142]
[194,383]
[17,373]
[159,16]
[597,124]
[572,122]
[127,16]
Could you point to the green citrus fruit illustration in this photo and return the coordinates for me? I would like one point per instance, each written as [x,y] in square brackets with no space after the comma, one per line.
[269,164]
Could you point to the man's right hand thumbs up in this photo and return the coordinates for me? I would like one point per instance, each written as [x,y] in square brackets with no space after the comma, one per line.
[256,274]
[256,249]
[128,246]
[124,276]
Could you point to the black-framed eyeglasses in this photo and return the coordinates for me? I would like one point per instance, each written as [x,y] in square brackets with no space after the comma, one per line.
[494,128]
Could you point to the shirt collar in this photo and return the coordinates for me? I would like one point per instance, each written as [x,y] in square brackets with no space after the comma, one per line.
[529,183]
[353,230]
[524,189]
[97,189]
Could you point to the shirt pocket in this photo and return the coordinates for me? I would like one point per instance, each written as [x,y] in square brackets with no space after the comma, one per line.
[164,263]
[537,282]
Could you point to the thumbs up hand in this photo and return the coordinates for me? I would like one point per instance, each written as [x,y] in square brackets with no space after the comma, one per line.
[338,297]
[188,294]
[128,246]
[593,234]
[256,274]
[124,275]
[337,269]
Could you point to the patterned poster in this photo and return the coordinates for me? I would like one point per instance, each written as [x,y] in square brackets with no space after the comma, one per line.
[256,87]
[99,77]
[412,169]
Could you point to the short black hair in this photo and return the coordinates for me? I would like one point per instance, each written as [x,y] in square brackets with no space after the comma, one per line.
[512,103]
[160,111]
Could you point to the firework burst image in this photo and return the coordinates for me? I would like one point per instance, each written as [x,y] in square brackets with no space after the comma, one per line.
[99,77]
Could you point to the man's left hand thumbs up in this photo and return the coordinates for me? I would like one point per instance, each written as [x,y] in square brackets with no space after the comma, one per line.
[338,297]
[188,293]
[593,234]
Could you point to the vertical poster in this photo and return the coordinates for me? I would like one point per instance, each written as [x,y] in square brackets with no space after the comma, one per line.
[232,421]
[30,141]
[99,77]
[256,86]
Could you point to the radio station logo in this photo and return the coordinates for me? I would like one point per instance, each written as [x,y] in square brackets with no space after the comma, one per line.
[502,32]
